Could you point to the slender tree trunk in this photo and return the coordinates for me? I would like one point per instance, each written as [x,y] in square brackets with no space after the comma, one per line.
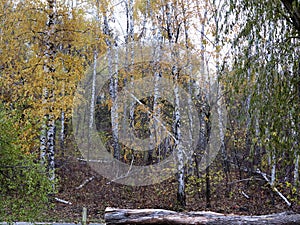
[296,168]
[62,133]
[155,132]
[51,150]
[190,163]
[248,114]
[114,109]
[296,151]
[113,86]
[43,138]
[130,56]
[47,138]
[178,143]
[92,103]
[295,133]
[271,160]
[219,108]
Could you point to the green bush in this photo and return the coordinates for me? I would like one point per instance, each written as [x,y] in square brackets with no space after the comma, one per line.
[24,186]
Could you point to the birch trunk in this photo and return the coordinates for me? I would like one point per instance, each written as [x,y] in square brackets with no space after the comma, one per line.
[271,159]
[248,115]
[129,61]
[178,143]
[296,169]
[51,150]
[43,139]
[114,109]
[113,86]
[295,134]
[219,109]
[271,151]
[190,163]
[296,152]
[62,132]
[203,92]
[47,138]
[155,132]
[92,103]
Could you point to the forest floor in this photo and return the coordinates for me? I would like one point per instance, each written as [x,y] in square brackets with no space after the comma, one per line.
[99,193]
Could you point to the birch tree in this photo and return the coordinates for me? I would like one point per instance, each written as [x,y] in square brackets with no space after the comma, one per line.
[113,71]
[271,70]
[48,58]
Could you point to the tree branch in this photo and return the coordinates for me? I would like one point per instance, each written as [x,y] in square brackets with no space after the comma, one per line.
[293,8]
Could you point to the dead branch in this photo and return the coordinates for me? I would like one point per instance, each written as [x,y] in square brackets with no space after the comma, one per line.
[85,182]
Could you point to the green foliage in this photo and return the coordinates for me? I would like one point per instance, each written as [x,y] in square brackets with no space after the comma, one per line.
[23,182]
[263,85]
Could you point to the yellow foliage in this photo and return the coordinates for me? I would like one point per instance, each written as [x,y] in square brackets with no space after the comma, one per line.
[24,55]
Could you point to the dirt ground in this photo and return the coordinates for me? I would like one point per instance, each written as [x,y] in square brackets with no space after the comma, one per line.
[249,197]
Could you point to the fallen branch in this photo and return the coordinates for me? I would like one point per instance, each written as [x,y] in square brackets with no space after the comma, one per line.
[126,175]
[94,160]
[243,180]
[264,175]
[160,216]
[245,195]
[85,182]
[63,201]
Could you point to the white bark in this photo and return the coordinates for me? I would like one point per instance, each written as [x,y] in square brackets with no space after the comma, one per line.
[51,150]
[47,138]
[178,142]
[264,175]
[114,109]
[85,182]
[203,93]
[113,86]
[155,132]
[43,143]
[92,102]
[219,97]
[114,116]
[191,123]
[248,101]
[92,108]
[190,91]
[62,130]
[51,121]
[296,169]
[130,57]
[258,137]
[273,170]
[271,159]
[63,201]
[296,151]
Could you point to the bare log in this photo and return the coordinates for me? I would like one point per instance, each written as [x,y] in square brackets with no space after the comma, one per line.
[160,216]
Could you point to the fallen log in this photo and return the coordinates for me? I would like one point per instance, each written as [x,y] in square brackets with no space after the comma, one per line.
[160,216]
